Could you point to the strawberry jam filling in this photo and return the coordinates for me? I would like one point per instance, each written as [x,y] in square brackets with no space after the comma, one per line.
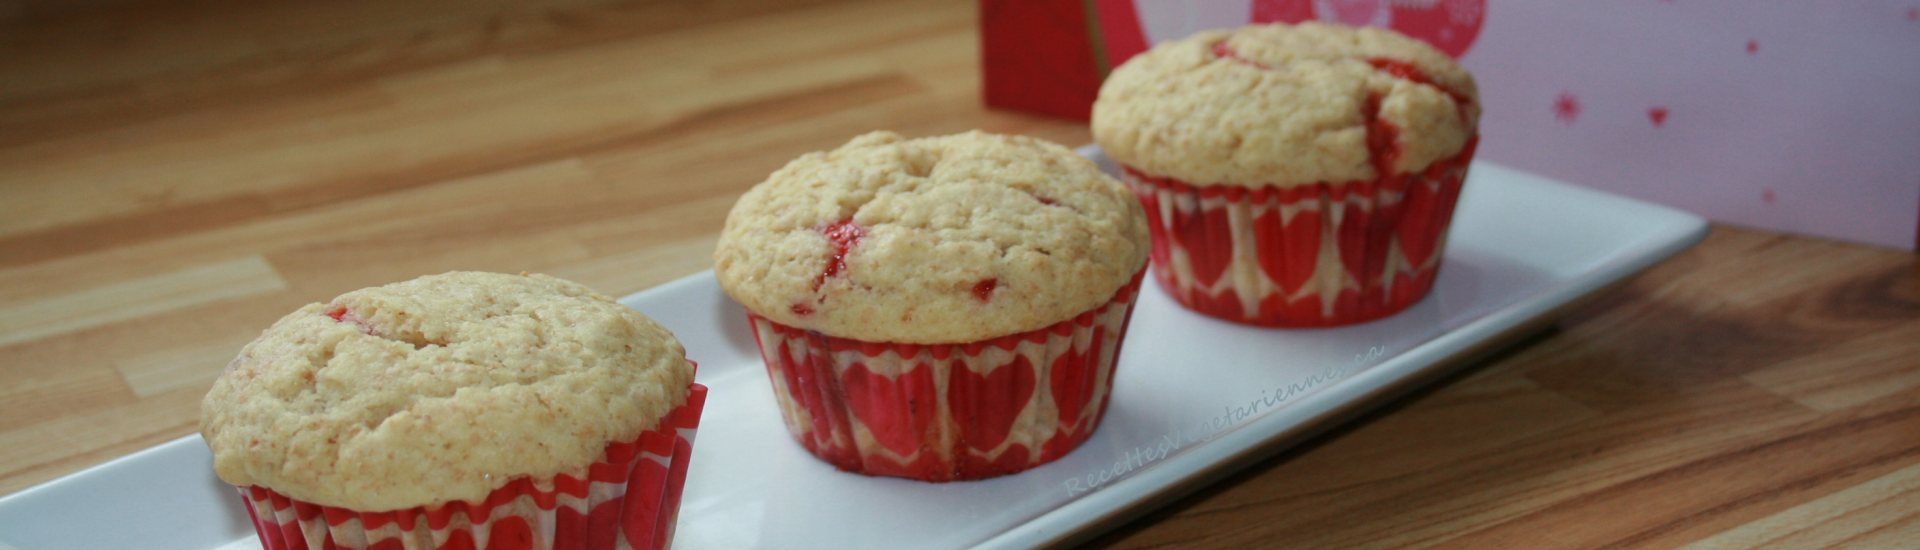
[1382,138]
[1406,71]
[843,235]
[983,290]
[1223,51]
[340,314]
[1393,67]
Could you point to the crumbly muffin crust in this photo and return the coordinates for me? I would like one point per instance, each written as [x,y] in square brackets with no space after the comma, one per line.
[439,389]
[1280,105]
[945,239]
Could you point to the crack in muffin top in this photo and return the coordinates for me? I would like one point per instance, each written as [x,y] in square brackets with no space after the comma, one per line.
[947,239]
[1281,105]
[439,389]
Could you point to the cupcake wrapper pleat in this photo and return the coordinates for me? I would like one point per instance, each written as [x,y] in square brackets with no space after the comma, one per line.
[940,412]
[1301,256]
[630,498]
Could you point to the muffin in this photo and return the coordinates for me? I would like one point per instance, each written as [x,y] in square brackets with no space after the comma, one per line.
[462,410]
[940,308]
[1295,175]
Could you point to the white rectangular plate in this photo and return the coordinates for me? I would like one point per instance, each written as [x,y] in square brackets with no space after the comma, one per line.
[1192,398]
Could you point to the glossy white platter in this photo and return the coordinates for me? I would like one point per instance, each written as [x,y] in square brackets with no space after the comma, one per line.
[1194,398]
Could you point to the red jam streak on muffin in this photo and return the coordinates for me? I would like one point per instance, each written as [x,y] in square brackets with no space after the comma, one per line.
[983,290]
[1396,68]
[339,314]
[1382,138]
[843,235]
[1223,51]
[1406,71]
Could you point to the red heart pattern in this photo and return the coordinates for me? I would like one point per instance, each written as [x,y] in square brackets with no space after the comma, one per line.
[1287,248]
[1201,223]
[991,401]
[954,411]
[1072,380]
[898,411]
[1367,222]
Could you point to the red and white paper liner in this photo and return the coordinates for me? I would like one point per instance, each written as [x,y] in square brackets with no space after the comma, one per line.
[1303,256]
[942,412]
[628,499]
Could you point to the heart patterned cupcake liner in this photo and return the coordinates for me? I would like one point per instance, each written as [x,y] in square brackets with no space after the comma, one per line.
[942,412]
[628,499]
[1311,255]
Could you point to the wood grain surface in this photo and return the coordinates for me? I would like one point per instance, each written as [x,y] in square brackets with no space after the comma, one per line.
[174,177]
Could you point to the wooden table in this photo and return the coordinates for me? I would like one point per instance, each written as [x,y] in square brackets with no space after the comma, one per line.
[174,178]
